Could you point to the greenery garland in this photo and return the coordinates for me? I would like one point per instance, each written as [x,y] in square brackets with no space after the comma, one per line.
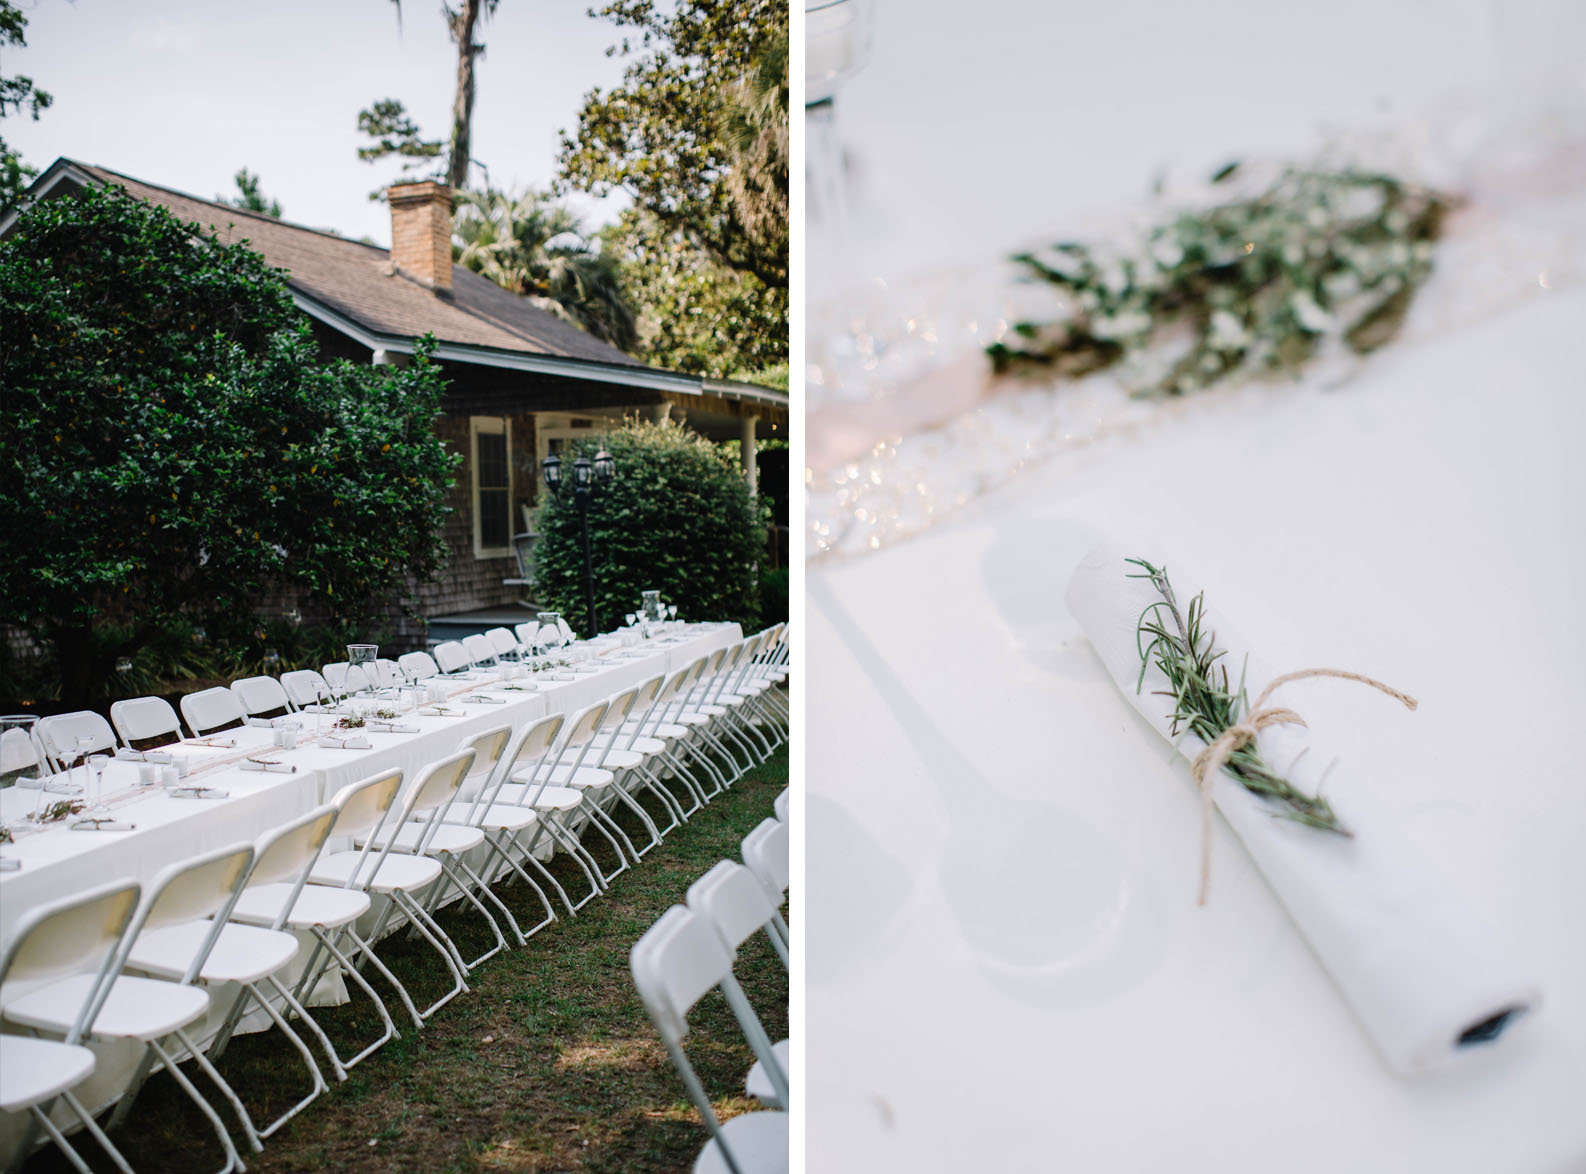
[1255,282]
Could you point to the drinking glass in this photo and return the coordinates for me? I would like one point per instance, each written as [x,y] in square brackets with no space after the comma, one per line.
[837,35]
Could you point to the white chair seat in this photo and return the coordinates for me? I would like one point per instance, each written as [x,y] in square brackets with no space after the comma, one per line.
[585,778]
[137,1008]
[620,760]
[642,746]
[449,837]
[243,953]
[759,1084]
[759,1141]
[498,817]
[552,798]
[37,1069]
[316,905]
[407,873]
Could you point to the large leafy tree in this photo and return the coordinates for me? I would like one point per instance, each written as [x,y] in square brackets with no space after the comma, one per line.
[697,136]
[17,94]
[175,447]
[532,245]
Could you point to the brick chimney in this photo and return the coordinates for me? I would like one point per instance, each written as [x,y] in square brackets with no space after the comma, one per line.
[421,232]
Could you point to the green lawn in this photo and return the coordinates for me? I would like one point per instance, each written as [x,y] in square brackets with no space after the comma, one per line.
[547,1063]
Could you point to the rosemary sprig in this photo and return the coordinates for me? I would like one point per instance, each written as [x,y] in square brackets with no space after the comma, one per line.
[352,721]
[1179,644]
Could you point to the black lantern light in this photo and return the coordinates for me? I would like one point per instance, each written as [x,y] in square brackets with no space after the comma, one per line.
[586,476]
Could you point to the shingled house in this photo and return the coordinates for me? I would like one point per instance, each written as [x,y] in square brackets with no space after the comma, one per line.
[522,381]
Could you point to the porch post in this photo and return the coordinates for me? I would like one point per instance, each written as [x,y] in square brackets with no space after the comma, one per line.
[746,453]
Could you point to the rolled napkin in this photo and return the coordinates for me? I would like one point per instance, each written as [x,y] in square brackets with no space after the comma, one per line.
[268,723]
[274,766]
[126,754]
[390,727]
[1426,980]
[483,699]
[346,742]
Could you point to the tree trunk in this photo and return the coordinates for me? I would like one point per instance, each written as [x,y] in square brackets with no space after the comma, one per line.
[462,28]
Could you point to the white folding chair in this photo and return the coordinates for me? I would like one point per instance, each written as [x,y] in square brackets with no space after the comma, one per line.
[452,657]
[384,674]
[427,832]
[765,851]
[500,823]
[498,808]
[185,937]
[397,876]
[674,964]
[780,805]
[50,942]
[106,1004]
[145,722]
[211,709]
[307,689]
[504,644]
[480,650]
[346,679]
[527,635]
[278,896]
[33,1073]
[549,798]
[417,666]
[59,735]
[605,771]
[262,697]
[733,901]
[533,749]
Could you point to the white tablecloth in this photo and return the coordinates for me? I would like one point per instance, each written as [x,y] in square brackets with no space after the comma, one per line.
[1006,964]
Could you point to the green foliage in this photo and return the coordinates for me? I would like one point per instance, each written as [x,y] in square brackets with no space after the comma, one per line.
[697,136]
[1259,279]
[695,315]
[16,94]
[395,133]
[677,518]
[773,595]
[531,245]
[250,198]
[175,446]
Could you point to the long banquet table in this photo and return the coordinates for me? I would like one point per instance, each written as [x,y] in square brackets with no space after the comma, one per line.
[60,861]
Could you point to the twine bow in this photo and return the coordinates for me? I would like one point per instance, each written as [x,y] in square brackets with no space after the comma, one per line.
[1241,734]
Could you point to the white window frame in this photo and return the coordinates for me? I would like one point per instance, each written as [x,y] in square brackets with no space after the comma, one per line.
[490,426]
[559,426]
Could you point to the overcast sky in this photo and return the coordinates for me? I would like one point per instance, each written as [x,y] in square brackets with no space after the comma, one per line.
[183,93]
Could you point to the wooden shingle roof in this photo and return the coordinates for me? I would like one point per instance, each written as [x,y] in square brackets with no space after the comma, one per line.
[358,282]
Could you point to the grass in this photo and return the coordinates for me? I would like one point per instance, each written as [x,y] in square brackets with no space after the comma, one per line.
[547,1063]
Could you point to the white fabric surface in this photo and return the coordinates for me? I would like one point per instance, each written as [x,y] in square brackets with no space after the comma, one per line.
[1406,952]
[1006,964]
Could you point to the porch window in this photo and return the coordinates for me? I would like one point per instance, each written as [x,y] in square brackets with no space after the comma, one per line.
[492,486]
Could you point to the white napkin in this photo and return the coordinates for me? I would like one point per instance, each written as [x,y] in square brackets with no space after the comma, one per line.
[346,742]
[271,765]
[1418,970]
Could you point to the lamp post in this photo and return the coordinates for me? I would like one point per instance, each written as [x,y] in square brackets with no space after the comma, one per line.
[587,475]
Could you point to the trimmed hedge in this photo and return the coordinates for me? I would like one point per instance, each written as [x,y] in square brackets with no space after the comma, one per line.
[676,518]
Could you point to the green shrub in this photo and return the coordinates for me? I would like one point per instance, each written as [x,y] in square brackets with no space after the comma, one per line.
[773,595]
[677,518]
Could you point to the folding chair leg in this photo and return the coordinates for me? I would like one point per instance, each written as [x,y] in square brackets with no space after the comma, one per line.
[352,972]
[568,842]
[627,800]
[444,946]
[605,825]
[500,843]
[434,902]
[95,1132]
[302,1049]
[233,1159]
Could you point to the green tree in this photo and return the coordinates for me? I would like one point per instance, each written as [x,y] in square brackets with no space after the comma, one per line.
[677,518]
[250,198]
[16,94]
[174,446]
[393,132]
[387,121]
[697,136]
[531,245]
